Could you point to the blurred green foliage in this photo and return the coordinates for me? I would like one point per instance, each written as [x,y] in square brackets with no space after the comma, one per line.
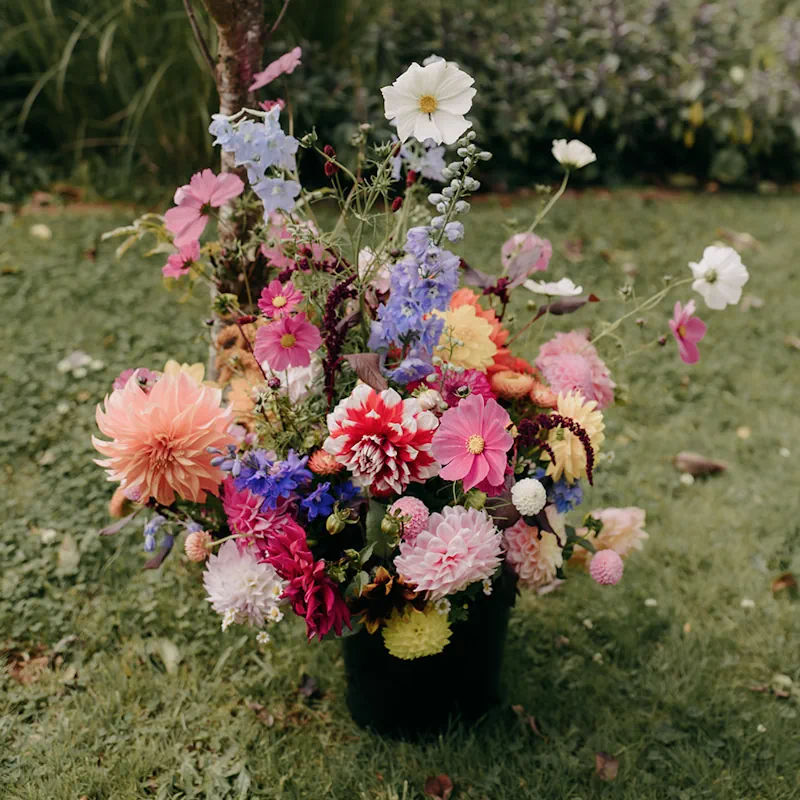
[681,86]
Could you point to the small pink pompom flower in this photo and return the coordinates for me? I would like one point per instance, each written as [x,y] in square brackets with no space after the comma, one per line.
[688,330]
[285,65]
[196,546]
[459,547]
[418,512]
[193,203]
[472,442]
[606,568]
[180,263]
[287,342]
[525,246]
[278,300]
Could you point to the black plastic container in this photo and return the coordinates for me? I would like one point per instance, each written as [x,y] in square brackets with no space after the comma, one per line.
[403,698]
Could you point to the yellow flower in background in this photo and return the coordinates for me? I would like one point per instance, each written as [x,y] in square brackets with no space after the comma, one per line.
[413,634]
[569,452]
[195,371]
[466,339]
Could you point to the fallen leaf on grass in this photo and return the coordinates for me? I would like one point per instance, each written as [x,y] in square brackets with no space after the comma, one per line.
[440,787]
[26,667]
[751,301]
[529,720]
[696,464]
[785,583]
[792,342]
[262,714]
[69,556]
[739,240]
[309,688]
[606,766]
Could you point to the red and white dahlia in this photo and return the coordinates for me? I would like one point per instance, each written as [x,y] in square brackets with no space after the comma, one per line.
[383,440]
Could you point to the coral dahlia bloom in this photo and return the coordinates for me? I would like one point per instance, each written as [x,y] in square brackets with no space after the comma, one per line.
[278,300]
[535,555]
[460,546]
[193,203]
[466,339]
[180,263]
[287,342]
[582,371]
[160,439]
[688,330]
[567,448]
[383,440]
[472,441]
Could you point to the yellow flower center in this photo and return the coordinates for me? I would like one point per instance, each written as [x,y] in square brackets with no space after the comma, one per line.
[682,331]
[279,301]
[288,340]
[427,104]
[475,444]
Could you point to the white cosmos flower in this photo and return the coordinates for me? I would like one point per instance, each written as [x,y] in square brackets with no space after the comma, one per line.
[430,102]
[573,154]
[563,288]
[719,276]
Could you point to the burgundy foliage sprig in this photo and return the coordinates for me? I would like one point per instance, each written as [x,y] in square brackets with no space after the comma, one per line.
[530,433]
[334,330]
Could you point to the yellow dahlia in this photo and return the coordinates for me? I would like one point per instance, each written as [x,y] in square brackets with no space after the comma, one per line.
[466,339]
[413,634]
[195,371]
[568,450]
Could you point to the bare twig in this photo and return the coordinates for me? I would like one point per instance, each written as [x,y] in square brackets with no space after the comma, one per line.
[278,19]
[198,34]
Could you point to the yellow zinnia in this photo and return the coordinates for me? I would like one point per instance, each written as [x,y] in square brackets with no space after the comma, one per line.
[570,455]
[466,339]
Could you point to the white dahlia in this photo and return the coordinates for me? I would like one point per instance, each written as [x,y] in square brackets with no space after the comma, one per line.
[533,554]
[383,440]
[528,496]
[458,547]
[240,588]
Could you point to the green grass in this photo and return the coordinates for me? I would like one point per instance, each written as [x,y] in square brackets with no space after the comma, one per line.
[143,696]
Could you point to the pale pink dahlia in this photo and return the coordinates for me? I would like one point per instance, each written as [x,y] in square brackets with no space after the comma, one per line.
[417,512]
[458,547]
[383,440]
[565,373]
[535,555]
[623,529]
[472,441]
[160,439]
[606,568]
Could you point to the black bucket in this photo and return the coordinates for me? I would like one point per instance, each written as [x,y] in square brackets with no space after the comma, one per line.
[395,697]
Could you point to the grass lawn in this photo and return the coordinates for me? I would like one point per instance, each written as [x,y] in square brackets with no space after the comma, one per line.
[120,684]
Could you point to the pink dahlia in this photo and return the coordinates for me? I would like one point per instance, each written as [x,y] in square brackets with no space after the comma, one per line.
[566,374]
[383,440]
[606,568]
[536,555]
[278,300]
[472,441]
[285,65]
[193,203]
[287,342]
[688,330]
[311,592]
[458,547]
[160,439]
[416,513]
[525,246]
[180,263]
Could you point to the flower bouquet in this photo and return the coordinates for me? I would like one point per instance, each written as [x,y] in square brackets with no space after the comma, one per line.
[374,453]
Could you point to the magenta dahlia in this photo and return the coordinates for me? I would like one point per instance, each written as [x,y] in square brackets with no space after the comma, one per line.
[569,362]
[458,547]
[383,440]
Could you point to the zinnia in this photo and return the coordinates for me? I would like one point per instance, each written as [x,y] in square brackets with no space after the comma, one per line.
[383,440]
[193,203]
[161,438]
[458,547]
[472,441]
[287,342]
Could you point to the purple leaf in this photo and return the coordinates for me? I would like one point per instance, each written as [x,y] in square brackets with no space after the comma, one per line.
[117,526]
[522,265]
[474,277]
[368,367]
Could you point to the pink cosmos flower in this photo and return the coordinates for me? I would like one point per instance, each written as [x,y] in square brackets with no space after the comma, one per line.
[287,342]
[277,232]
[472,441]
[583,371]
[179,264]
[144,377]
[160,439]
[525,245]
[278,300]
[285,65]
[688,330]
[194,202]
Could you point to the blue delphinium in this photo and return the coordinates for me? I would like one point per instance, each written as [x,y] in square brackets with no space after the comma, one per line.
[150,530]
[564,495]
[343,493]
[319,503]
[255,474]
[232,462]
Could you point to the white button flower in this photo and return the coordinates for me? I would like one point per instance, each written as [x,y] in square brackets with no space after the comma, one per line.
[574,154]
[430,102]
[719,277]
[563,288]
